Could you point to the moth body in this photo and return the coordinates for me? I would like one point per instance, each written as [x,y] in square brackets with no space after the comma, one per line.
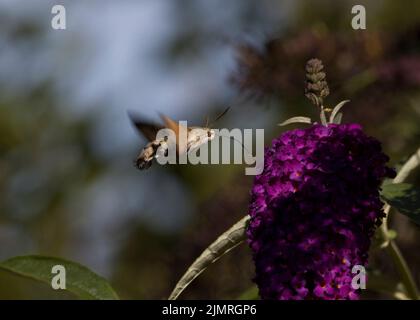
[196,136]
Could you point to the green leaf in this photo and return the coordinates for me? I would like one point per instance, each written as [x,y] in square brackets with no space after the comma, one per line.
[404,197]
[392,234]
[338,118]
[383,237]
[296,120]
[335,111]
[250,294]
[230,239]
[79,279]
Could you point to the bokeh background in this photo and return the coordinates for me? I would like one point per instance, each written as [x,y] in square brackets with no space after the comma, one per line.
[68,186]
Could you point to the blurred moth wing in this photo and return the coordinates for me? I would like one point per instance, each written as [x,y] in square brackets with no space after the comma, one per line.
[176,128]
[149,152]
[147,129]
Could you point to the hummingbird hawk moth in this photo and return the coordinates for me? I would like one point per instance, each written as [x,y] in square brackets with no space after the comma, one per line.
[196,136]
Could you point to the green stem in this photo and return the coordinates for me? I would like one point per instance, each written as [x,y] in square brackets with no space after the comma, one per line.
[391,246]
[404,271]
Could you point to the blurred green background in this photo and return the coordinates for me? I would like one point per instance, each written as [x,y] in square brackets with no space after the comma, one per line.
[68,186]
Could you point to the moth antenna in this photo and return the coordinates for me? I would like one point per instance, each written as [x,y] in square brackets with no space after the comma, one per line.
[219,116]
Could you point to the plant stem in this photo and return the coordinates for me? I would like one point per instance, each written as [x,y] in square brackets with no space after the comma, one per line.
[404,271]
[392,248]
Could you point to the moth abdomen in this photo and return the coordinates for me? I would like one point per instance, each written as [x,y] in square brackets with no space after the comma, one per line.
[146,156]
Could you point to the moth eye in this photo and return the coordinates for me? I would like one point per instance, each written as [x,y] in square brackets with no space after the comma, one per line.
[209,134]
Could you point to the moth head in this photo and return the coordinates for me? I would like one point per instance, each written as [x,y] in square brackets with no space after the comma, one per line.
[210,134]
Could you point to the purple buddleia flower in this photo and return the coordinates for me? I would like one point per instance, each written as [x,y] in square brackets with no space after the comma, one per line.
[314,210]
